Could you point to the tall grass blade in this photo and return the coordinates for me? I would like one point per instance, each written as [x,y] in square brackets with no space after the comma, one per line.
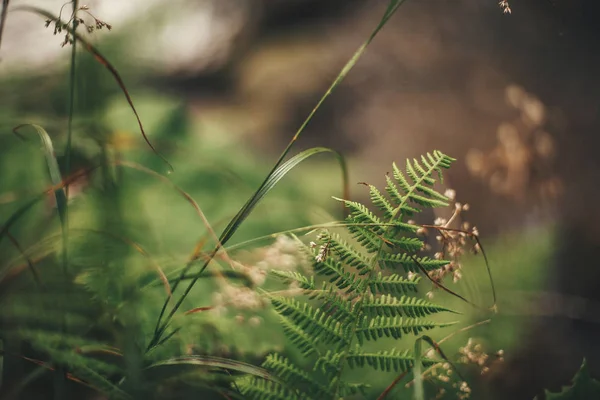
[272,179]
[53,170]
[215,362]
[393,6]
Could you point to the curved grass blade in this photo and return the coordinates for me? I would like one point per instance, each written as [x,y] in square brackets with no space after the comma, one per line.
[215,362]
[106,64]
[4,230]
[393,6]
[55,176]
[269,183]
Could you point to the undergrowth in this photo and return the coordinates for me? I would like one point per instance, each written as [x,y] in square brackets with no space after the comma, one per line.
[360,296]
[88,307]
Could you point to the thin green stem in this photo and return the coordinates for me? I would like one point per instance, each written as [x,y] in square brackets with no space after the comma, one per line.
[71,99]
[60,376]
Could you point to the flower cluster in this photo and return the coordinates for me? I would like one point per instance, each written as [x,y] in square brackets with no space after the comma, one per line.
[522,162]
[453,242]
[76,21]
[442,374]
[283,254]
[473,354]
[505,6]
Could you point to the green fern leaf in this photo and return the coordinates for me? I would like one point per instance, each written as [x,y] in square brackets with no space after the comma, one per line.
[417,174]
[401,179]
[334,270]
[313,321]
[409,244]
[293,276]
[353,389]
[397,198]
[387,360]
[394,284]
[329,363]
[346,253]
[295,377]
[360,214]
[260,389]
[356,300]
[392,261]
[390,306]
[381,202]
[394,327]
[304,342]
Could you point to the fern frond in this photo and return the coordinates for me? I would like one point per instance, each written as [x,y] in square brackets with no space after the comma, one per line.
[390,306]
[405,243]
[346,253]
[381,202]
[386,360]
[397,198]
[338,306]
[334,270]
[400,179]
[294,376]
[393,284]
[360,214]
[329,363]
[392,261]
[304,342]
[312,321]
[352,389]
[369,240]
[394,327]
[295,277]
[356,300]
[261,389]
[417,174]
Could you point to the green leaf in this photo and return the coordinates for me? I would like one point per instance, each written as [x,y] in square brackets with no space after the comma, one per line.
[214,362]
[584,387]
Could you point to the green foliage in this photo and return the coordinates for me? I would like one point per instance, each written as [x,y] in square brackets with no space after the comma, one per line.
[583,387]
[358,301]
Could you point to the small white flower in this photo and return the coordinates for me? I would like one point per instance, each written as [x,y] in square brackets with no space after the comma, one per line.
[450,194]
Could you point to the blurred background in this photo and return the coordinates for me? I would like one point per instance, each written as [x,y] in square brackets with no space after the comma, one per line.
[222,85]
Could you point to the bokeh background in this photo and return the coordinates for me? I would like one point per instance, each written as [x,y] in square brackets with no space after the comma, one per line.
[222,85]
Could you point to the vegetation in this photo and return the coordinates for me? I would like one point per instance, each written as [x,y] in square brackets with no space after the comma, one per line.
[100,292]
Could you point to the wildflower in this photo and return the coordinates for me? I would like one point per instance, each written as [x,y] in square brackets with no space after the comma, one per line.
[450,194]
[505,6]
